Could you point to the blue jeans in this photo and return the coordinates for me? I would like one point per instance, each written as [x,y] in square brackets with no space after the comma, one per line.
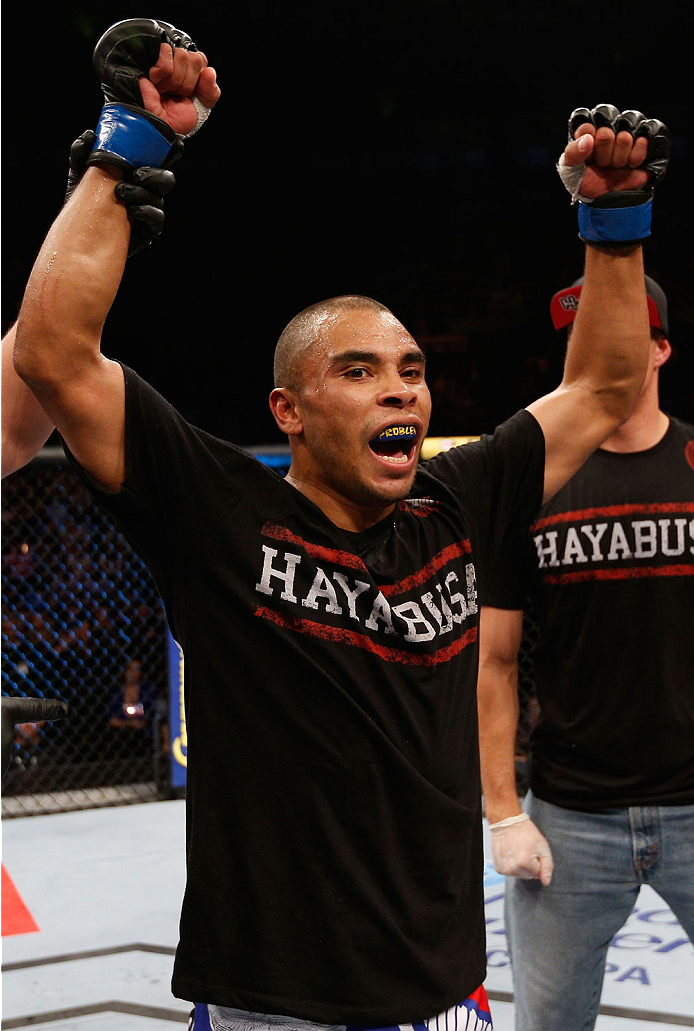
[559,935]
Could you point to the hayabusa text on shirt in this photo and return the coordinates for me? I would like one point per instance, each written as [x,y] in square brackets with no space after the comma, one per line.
[648,539]
[328,593]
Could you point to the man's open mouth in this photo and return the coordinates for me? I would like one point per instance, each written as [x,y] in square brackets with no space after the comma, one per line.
[395,443]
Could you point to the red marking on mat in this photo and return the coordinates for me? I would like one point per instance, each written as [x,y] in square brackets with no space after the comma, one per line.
[16,918]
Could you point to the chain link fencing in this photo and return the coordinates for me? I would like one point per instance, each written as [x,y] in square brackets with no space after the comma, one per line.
[82,622]
[529,710]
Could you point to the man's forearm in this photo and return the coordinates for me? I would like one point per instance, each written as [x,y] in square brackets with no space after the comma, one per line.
[73,283]
[605,366]
[497,707]
[608,350]
[497,694]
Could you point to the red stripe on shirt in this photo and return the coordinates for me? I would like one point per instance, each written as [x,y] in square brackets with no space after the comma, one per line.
[447,555]
[333,555]
[345,558]
[582,514]
[341,635]
[633,573]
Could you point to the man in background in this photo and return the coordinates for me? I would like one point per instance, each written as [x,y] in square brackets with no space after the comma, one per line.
[609,570]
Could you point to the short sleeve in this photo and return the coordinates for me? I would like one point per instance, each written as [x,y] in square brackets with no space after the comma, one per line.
[178,478]
[500,479]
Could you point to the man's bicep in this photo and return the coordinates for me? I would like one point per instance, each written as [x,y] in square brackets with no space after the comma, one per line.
[25,425]
[574,425]
[89,413]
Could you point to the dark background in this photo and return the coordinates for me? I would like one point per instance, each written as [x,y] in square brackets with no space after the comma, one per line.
[404,150]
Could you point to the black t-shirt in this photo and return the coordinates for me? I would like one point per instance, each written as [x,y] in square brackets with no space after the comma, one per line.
[612,589]
[333,800]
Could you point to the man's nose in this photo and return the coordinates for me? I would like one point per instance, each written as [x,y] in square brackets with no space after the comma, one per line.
[397,394]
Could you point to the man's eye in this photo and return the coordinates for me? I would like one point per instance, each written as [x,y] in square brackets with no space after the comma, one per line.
[357,372]
[414,373]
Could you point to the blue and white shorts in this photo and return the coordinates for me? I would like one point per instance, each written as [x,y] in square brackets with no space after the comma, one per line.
[472,1014]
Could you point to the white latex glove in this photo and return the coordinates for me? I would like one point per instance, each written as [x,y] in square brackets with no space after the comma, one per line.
[521,851]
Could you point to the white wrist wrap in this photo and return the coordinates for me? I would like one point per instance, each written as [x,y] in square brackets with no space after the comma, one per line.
[203,113]
[571,176]
[510,821]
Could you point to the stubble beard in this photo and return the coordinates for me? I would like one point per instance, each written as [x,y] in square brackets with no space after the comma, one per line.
[348,484]
[370,496]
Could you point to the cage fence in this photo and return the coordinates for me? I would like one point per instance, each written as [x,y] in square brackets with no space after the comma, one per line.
[527,698]
[81,622]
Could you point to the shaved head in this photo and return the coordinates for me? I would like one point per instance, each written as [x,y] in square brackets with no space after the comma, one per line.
[310,327]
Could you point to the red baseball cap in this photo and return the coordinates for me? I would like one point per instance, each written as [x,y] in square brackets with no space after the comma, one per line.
[564,305]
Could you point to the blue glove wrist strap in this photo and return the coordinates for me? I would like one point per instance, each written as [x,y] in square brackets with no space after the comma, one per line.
[129,139]
[614,225]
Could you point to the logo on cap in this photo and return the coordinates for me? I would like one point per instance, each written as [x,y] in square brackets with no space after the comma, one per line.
[564,305]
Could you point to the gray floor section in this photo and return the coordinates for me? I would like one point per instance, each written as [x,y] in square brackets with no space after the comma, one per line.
[105,887]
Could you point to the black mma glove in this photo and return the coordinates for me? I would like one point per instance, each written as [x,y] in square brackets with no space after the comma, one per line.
[143,195]
[621,217]
[143,198]
[128,136]
[25,710]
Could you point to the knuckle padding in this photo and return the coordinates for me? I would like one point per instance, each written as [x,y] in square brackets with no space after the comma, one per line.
[128,50]
[622,217]
[632,122]
[177,37]
[604,115]
[658,154]
[128,135]
[578,117]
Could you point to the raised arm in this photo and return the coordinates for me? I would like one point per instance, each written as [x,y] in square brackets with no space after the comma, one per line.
[57,350]
[78,271]
[518,848]
[609,167]
[25,425]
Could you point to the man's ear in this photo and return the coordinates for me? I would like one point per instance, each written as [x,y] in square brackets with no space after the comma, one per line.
[285,408]
[663,350]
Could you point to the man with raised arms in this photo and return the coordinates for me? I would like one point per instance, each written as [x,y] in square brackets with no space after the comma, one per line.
[329,619]
[606,572]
